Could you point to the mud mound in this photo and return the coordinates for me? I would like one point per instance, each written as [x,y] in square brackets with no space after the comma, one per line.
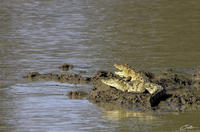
[65,67]
[65,77]
[105,93]
[77,94]
[179,92]
[177,96]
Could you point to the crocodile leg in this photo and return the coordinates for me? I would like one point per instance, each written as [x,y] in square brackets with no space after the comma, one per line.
[152,87]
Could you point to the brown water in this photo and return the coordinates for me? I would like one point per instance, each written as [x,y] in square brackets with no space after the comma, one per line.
[40,35]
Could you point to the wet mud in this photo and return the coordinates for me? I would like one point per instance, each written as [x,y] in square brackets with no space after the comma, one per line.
[63,78]
[65,67]
[77,94]
[181,91]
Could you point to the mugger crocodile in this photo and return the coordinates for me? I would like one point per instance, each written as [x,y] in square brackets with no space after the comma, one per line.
[132,81]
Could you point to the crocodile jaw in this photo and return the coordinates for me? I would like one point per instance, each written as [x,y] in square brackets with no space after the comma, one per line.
[128,71]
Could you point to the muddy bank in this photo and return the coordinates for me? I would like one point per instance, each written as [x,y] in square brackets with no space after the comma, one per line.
[63,78]
[77,94]
[65,67]
[180,91]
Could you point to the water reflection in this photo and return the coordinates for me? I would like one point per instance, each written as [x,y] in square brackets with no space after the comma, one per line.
[114,112]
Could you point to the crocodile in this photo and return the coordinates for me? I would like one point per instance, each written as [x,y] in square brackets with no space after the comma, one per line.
[127,71]
[138,83]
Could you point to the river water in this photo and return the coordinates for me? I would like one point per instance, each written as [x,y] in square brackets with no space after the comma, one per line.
[40,35]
